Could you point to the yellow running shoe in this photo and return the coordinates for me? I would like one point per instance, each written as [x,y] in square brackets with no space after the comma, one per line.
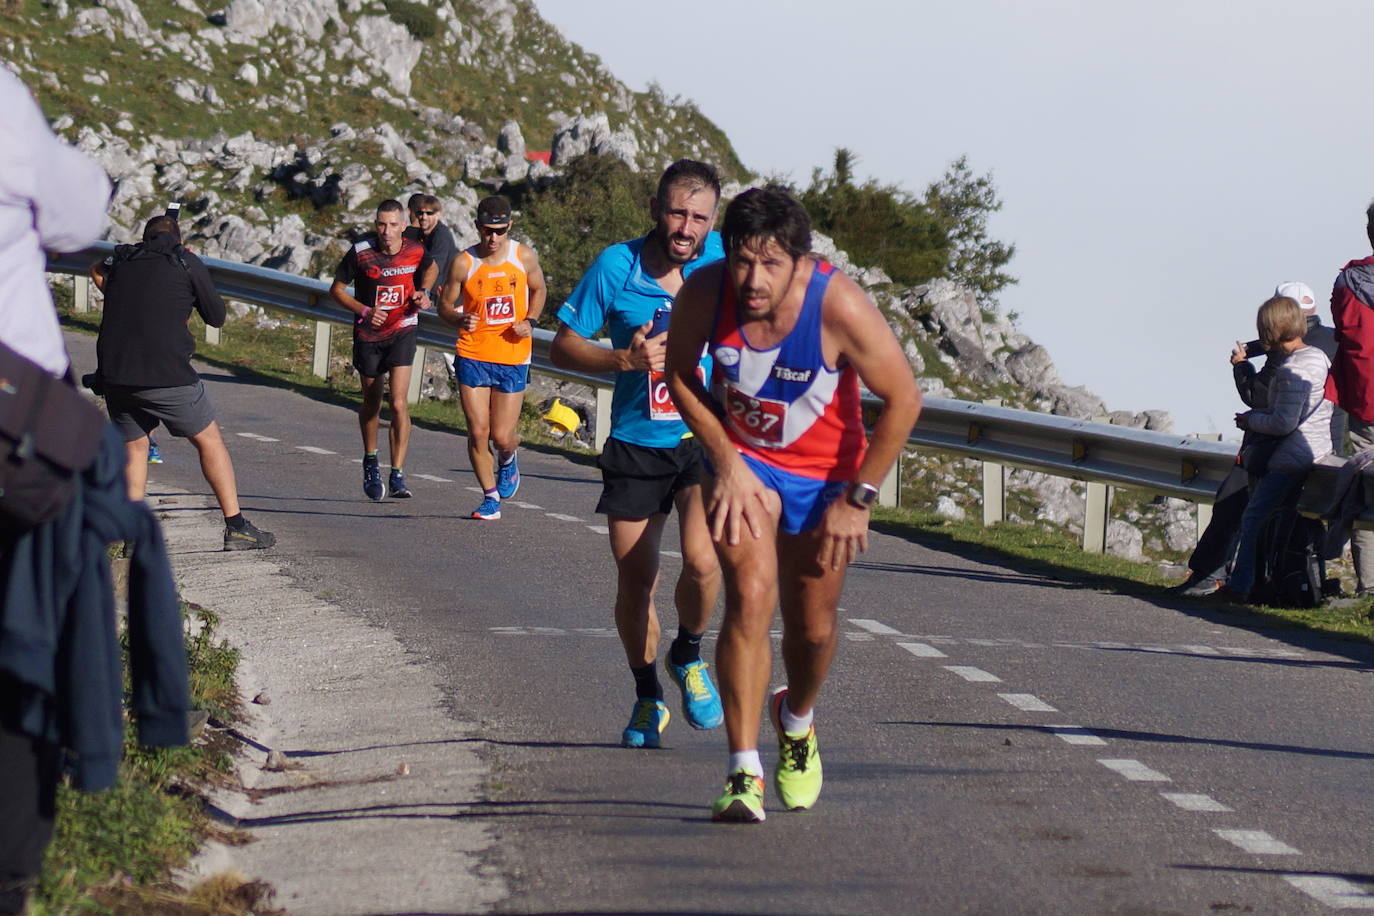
[742,802]
[798,773]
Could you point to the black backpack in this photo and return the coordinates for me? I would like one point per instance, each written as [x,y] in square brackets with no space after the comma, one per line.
[1289,569]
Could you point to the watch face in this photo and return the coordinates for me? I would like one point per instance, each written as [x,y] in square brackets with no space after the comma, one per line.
[863,495]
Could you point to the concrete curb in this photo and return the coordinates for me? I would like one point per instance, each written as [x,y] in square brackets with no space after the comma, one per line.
[374,809]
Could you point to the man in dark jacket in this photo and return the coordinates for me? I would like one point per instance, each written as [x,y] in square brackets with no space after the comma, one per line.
[1351,382]
[144,363]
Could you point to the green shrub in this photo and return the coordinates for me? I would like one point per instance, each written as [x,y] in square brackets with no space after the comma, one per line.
[420,21]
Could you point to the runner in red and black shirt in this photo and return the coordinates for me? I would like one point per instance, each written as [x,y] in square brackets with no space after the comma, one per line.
[389,274]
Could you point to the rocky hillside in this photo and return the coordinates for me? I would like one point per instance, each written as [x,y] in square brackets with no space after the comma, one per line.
[281,123]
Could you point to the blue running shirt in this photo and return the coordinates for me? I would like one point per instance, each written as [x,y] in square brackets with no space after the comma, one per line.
[616,294]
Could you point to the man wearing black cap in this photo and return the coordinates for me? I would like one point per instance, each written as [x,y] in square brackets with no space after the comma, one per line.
[494,295]
[143,355]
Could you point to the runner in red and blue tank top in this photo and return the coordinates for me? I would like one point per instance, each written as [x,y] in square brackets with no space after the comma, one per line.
[792,479]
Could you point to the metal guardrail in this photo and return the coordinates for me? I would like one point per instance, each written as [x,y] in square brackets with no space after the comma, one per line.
[1098,453]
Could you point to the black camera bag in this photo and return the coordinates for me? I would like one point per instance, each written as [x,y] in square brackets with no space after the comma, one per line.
[49,432]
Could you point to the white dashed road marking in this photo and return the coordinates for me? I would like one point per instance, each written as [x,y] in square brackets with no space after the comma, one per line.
[258,437]
[1027,702]
[874,626]
[431,477]
[1193,802]
[1257,842]
[524,505]
[315,450]
[563,518]
[1075,734]
[969,673]
[1337,893]
[1134,770]
[922,650]
[602,529]
[666,553]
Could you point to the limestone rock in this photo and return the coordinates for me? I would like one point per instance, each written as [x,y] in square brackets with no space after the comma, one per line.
[389,49]
[592,134]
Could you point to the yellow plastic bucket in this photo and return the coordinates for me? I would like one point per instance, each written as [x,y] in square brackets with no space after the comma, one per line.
[563,416]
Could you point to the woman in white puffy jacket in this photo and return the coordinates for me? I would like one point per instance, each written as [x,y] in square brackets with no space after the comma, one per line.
[1297,412]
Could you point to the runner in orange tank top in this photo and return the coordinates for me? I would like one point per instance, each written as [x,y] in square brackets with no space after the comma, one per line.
[494,295]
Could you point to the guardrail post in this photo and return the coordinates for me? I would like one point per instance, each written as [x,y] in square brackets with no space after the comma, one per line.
[1204,510]
[1096,509]
[417,376]
[602,431]
[320,361]
[994,485]
[890,490]
[81,293]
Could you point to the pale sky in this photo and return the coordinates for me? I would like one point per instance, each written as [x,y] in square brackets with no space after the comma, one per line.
[1162,165]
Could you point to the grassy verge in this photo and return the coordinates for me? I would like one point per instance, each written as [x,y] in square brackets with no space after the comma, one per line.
[282,357]
[114,851]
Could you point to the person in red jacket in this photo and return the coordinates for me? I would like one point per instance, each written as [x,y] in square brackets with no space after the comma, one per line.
[1351,382]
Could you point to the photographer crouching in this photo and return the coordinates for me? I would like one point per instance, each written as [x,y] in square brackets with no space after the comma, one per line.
[144,355]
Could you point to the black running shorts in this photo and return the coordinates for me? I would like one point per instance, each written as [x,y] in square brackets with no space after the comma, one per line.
[373,357]
[638,481]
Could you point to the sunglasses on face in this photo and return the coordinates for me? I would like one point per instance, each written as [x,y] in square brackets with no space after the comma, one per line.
[495,230]
[426,212]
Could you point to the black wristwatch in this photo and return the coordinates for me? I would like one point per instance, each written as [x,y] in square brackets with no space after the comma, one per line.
[862,495]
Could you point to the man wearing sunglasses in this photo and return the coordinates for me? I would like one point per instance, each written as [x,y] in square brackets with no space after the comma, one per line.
[427,227]
[494,294]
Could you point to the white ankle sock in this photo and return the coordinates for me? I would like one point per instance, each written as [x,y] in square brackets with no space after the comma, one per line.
[748,761]
[792,723]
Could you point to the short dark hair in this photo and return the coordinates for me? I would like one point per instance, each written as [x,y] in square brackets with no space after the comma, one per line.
[390,205]
[766,213]
[160,224]
[690,173]
[1369,216]
[422,201]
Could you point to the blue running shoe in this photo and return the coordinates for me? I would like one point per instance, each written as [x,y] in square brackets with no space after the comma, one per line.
[489,511]
[647,722]
[154,456]
[700,702]
[372,478]
[508,478]
[397,485]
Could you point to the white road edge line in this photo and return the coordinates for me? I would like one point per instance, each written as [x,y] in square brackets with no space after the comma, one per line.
[1076,734]
[874,626]
[1337,893]
[431,477]
[922,650]
[315,450]
[1189,801]
[970,673]
[257,437]
[602,529]
[563,518]
[1257,842]
[1134,770]
[1028,702]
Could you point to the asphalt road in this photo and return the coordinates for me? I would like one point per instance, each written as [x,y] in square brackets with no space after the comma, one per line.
[993,741]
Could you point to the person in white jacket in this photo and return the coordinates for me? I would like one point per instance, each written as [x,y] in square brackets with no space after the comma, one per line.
[1297,414]
[52,198]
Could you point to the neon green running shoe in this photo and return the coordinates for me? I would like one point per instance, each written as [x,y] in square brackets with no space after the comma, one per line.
[798,773]
[742,802]
[647,721]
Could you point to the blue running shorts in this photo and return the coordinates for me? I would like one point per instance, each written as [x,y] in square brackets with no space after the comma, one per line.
[804,499]
[475,373]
